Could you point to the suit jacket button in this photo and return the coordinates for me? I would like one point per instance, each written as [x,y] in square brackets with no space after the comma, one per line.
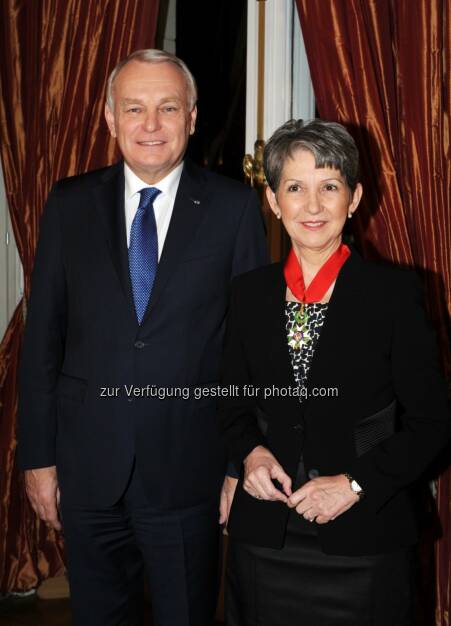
[313,473]
[139,344]
[298,427]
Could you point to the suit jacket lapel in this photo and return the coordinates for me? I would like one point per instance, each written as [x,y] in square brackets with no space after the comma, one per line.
[110,208]
[273,329]
[338,325]
[189,208]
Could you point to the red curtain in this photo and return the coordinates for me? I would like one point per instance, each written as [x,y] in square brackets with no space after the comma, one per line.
[382,68]
[56,57]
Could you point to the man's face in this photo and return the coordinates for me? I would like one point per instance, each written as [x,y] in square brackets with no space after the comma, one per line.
[151,119]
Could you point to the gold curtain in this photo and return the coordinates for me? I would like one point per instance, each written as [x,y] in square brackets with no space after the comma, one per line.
[56,57]
[382,67]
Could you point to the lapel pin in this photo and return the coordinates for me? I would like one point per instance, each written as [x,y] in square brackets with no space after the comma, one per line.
[195,201]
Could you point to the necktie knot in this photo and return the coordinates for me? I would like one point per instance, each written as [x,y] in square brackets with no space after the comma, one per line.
[148,195]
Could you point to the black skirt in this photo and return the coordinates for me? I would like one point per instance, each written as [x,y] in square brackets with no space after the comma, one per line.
[300,585]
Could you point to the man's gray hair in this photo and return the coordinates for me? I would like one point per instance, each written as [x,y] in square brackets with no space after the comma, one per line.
[153,56]
[329,142]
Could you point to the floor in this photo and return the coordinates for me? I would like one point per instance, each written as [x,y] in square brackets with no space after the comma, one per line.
[37,612]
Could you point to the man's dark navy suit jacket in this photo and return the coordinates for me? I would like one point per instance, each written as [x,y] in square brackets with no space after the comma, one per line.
[82,340]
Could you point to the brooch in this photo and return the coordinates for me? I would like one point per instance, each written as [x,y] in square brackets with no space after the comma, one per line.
[299,333]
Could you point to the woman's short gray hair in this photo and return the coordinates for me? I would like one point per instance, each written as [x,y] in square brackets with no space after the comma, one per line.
[329,142]
[153,56]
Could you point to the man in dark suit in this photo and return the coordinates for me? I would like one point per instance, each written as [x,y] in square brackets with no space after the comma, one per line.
[117,425]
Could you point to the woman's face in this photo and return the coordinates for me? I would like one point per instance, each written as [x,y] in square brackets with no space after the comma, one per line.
[313,203]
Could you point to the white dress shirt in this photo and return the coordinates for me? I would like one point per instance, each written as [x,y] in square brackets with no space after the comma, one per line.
[163,204]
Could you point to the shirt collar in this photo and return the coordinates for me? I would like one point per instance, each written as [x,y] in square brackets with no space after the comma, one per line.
[167,185]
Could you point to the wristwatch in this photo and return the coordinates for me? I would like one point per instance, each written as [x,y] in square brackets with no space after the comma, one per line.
[355,487]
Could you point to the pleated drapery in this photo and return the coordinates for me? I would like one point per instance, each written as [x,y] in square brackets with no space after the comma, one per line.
[382,68]
[56,57]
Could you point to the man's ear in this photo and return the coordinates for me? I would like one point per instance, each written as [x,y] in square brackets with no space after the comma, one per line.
[193,117]
[109,116]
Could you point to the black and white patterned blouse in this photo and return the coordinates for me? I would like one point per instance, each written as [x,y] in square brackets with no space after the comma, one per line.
[302,342]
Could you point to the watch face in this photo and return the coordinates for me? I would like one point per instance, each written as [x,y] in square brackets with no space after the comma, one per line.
[356,487]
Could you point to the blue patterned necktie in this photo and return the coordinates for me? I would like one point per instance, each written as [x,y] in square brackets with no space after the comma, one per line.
[143,251]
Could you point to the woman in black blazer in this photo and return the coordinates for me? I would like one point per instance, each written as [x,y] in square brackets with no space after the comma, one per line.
[336,407]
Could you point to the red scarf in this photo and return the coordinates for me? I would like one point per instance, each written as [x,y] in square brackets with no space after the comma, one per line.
[323,279]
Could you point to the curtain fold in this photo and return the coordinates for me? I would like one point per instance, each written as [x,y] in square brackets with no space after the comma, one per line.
[56,57]
[382,68]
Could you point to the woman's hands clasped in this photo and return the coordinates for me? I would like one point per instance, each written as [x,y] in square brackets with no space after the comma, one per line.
[321,499]
[260,469]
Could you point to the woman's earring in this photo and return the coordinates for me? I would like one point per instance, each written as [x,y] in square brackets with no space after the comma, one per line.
[278,215]
[349,215]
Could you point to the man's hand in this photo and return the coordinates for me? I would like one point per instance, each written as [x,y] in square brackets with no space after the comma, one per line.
[324,498]
[260,467]
[227,493]
[43,492]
